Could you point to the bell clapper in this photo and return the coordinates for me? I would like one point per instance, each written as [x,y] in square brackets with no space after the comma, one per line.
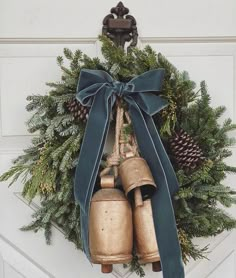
[107,268]
[138,199]
[156,266]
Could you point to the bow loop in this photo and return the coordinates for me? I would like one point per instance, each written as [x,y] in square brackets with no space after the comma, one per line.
[90,83]
[150,81]
[149,103]
[90,77]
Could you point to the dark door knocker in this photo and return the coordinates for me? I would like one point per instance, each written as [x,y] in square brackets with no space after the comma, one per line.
[120,27]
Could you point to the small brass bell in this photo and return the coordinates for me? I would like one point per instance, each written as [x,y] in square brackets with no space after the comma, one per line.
[139,185]
[110,226]
[145,236]
[135,173]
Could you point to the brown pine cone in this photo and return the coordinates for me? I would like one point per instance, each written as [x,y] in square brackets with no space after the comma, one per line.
[78,110]
[186,151]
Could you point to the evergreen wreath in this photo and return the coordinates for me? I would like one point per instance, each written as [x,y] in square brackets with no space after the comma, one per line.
[195,142]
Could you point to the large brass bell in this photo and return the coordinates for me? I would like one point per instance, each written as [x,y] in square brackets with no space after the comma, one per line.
[138,183]
[110,226]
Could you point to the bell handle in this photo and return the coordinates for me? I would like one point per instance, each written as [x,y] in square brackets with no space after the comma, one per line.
[107,181]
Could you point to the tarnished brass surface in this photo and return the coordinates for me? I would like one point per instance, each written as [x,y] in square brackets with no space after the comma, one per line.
[145,237]
[134,172]
[107,181]
[110,227]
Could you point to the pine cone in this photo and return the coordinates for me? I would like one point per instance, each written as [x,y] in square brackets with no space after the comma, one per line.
[186,151]
[78,110]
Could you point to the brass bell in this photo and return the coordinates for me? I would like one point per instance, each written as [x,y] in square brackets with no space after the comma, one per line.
[138,183]
[145,236]
[110,226]
[135,173]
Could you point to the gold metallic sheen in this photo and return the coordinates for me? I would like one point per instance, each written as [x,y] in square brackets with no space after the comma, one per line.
[134,172]
[110,228]
[107,181]
[144,231]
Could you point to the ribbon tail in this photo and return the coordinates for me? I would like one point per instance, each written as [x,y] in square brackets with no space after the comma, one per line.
[165,161]
[163,214]
[89,159]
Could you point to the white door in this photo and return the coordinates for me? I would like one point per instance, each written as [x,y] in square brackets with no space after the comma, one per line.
[198,36]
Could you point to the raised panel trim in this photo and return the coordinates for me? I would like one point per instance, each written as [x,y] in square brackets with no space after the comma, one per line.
[21,263]
[74,40]
[224,247]
[49,40]
[210,39]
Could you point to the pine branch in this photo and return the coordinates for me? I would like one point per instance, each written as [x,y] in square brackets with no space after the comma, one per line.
[15,172]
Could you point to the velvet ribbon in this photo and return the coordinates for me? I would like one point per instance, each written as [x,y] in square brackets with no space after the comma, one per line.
[98,90]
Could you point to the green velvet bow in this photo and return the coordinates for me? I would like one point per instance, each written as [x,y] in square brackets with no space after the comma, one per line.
[98,90]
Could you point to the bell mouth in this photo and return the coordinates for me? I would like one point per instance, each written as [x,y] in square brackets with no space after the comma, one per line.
[147,188]
[149,258]
[135,173]
[111,259]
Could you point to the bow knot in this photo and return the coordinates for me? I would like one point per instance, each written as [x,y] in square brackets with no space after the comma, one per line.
[119,88]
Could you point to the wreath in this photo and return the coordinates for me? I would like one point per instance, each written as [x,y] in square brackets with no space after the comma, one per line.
[194,141]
